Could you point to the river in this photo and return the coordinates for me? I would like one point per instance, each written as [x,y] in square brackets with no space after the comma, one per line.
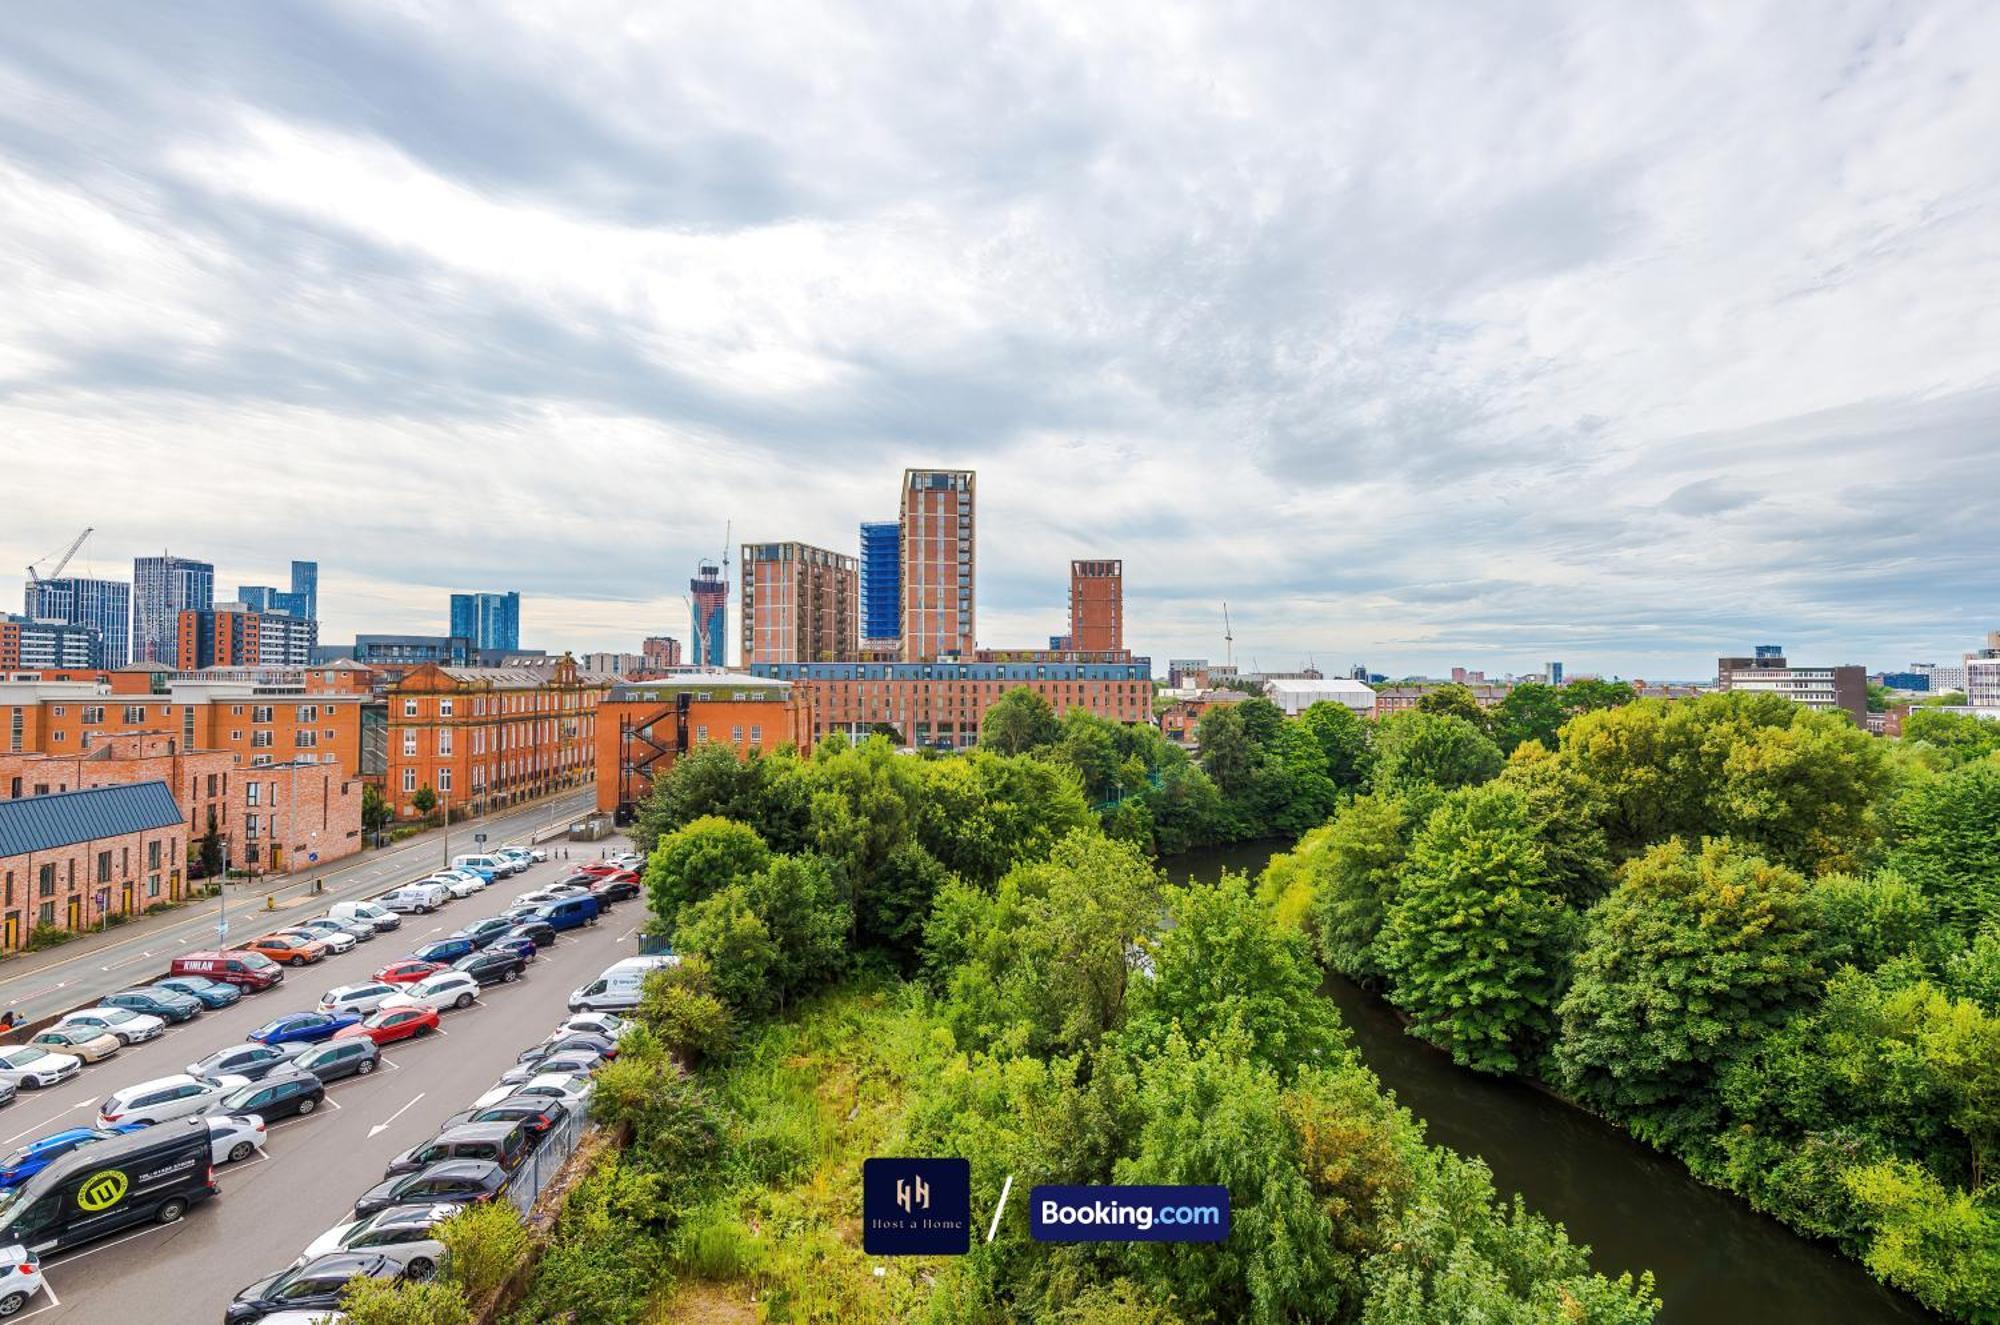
[1714,1259]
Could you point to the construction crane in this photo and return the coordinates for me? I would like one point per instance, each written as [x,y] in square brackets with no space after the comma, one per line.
[1228,640]
[728,528]
[62,562]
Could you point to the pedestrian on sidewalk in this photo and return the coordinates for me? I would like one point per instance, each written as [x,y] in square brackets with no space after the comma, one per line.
[8,1021]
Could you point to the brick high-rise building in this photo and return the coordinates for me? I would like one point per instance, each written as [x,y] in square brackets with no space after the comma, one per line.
[104,606]
[163,587]
[1097,606]
[660,651]
[800,604]
[938,563]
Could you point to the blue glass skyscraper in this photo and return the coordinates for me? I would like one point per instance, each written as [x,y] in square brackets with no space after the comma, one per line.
[302,601]
[489,620]
[881,581]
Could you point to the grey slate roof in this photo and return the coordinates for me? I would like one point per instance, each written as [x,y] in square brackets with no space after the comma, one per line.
[43,823]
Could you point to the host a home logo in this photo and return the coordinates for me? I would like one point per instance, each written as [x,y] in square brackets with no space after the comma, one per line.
[916,1207]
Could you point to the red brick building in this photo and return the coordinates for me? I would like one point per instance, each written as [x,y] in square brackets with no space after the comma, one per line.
[941,704]
[938,563]
[69,859]
[800,603]
[1096,606]
[643,727]
[486,737]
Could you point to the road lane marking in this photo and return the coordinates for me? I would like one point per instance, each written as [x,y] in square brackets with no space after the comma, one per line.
[1005,1188]
[383,1126]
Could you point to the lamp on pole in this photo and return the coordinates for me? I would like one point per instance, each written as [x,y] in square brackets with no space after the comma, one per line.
[222,897]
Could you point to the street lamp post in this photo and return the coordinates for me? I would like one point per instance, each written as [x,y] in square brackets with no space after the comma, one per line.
[222,897]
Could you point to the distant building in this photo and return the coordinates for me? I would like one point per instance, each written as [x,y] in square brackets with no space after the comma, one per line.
[73,858]
[1296,696]
[1553,673]
[488,737]
[1822,688]
[1982,683]
[1186,673]
[939,570]
[412,650]
[881,581]
[800,604]
[644,727]
[1183,711]
[163,587]
[232,635]
[300,601]
[104,606]
[613,664]
[1943,676]
[660,651]
[28,644]
[489,620]
[1406,695]
[1096,606]
[708,593]
[1919,682]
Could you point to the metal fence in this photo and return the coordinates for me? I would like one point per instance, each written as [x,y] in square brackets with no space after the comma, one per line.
[542,1166]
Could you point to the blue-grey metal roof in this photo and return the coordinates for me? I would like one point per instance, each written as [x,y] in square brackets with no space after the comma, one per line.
[43,823]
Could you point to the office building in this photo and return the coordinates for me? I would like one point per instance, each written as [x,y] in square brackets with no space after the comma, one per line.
[1096,606]
[489,620]
[800,604]
[231,635]
[27,644]
[881,584]
[412,650]
[1553,673]
[482,738]
[644,727]
[938,566]
[708,598]
[1822,688]
[660,652]
[613,664]
[301,601]
[1982,682]
[104,606]
[941,704]
[163,587]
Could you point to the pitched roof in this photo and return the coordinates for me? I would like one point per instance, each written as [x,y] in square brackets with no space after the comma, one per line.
[43,823]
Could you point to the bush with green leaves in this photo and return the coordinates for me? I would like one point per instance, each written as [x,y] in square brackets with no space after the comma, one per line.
[484,1245]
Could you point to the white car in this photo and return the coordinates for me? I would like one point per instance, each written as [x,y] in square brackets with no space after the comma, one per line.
[571,1089]
[458,885]
[539,853]
[336,941]
[31,1067]
[361,931]
[439,992]
[552,893]
[233,1139]
[20,1279]
[130,1027]
[362,998]
[157,1101]
[402,1233]
[422,898]
[610,1025]
[631,860]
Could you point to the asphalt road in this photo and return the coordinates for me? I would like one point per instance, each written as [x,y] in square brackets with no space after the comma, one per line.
[273,1204]
[43,984]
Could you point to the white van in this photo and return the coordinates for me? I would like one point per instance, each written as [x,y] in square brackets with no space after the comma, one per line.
[366,913]
[421,898]
[617,990]
[487,867]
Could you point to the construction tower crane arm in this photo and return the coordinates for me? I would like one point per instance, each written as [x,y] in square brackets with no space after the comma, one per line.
[62,562]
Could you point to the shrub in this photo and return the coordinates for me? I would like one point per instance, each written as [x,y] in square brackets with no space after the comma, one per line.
[379,1302]
[48,936]
[483,1244]
[680,1008]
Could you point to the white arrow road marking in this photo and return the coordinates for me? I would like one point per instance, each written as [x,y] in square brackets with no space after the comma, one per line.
[383,1126]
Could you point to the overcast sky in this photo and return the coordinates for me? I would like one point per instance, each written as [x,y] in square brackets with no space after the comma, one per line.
[1422,334]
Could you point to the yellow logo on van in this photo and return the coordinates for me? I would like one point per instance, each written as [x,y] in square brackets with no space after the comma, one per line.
[101,1191]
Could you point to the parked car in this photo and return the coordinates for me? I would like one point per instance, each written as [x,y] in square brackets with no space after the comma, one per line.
[619,986]
[571,1090]
[358,930]
[570,1062]
[482,932]
[210,993]
[303,1027]
[30,1066]
[538,932]
[446,989]
[342,1056]
[392,1024]
[491,967]
[20,1279]
[234,1137]
[252,1062]
[518,944]
[459,883]
[467,1181]
[520,858]
[568,912]
[86,1042]
[619,887]
[363,998]
[335,941]
[129,1026]
[608,1024]
[287,949]
[630,860]
[288,1090]
[597,868]
[570,1042]
[167,1004]
[489,867]
[401,1232]
[43,1151]
[164,1098]
[537,1113]
[407,971]
[367,913]
[314,1286]
[417,898]
[506,1144]
[444,950]
[585,876]
[248,971]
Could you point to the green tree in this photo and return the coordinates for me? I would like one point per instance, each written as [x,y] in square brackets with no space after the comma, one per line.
[1866,922]
[369,1301]
[1456,701]
[1689,962]
[423,800]
[704,857]
[1960,738]
[726,931]
[1344,740]
[1529,712]
[1879,697]
[375,815]
[1948,844]
[708,781]
[1567,818]
[864,804]
[679,1006]
[1018,722]
[1354,869]
[1228,755]
[1441,749]
[1940,1246]
[1590,694]
[1477,943]
[484,1244]
[212,860]
[980,813]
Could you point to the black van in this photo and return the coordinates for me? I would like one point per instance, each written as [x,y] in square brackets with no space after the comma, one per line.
[153,1174]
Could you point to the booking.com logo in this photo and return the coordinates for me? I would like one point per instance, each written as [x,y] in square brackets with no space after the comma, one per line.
[1128,1214]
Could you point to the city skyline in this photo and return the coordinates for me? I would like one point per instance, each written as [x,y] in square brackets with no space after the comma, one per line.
[1298,319]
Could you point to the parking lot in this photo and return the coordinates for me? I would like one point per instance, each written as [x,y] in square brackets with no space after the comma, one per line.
[313,1167]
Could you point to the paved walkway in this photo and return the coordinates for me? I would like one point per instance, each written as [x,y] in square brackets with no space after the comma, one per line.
[41,984]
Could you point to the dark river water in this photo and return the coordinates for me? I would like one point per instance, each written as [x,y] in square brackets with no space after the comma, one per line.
[1716,1261]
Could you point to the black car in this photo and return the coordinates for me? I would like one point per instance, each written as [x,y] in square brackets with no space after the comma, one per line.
[314,1286]
[540,932]
[463,1180]
[505,1143]
[285,1092]
[492,968]
[602,1046]
[169,1004]
[483,932]
[537,1113]
[353,1056]
[614,889]
[255,1061]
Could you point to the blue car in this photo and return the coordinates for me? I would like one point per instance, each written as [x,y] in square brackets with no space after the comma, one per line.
[304,1027]
[210,993]
[445,951]
[37,1155]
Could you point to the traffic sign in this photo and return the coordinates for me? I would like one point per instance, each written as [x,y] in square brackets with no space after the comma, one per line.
[312,857]
[479,837]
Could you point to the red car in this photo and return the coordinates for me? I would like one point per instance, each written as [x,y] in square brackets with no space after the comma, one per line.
[407,971]
[392,1024]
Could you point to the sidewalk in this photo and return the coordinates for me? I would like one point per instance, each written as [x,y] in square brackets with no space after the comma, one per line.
[36,983]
